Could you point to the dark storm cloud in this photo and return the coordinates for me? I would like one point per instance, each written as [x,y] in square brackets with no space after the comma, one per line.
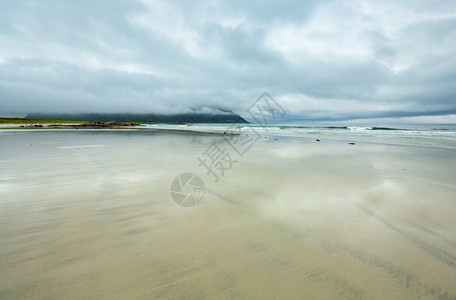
[322,60]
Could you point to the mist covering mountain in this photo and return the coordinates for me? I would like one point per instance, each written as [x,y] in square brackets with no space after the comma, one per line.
[196,116]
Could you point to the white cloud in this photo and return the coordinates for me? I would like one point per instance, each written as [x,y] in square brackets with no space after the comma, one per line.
[166,21]
[354,30]
[328,58]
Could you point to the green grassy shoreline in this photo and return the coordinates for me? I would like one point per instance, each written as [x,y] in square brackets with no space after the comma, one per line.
[35,121]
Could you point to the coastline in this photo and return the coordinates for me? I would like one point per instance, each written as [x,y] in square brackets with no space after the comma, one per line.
[68,125]
[324,219]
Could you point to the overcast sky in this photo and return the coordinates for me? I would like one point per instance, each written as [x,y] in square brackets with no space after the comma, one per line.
[321,60]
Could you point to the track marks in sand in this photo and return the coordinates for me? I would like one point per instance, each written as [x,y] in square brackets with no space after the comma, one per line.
[432,233]
[306,274]
[433,251]
[398,275]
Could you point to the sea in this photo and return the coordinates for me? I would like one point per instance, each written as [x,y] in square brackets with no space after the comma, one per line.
[434,135]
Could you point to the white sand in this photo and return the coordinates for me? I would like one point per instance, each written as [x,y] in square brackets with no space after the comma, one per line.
[88,214]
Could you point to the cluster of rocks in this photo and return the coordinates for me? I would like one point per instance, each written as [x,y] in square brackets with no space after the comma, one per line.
[110,124]
[32,126]
[94,124]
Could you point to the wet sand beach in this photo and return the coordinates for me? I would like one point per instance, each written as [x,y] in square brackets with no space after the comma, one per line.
[88,214]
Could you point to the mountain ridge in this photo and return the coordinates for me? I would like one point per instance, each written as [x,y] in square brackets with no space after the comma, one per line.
[222,116]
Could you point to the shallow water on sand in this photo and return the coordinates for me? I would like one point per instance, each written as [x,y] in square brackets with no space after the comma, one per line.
[88,214]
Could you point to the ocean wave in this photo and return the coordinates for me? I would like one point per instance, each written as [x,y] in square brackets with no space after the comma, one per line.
[356,128]
[336,127]
[387,128]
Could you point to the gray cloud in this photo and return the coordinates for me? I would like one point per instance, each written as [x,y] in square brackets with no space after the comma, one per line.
[322,60]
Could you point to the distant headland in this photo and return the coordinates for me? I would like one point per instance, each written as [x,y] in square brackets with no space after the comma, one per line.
[220,116]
